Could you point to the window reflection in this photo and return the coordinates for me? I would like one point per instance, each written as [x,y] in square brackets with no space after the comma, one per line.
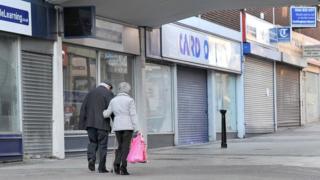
[79,71]
[159,98]
[9,120]
[117,68]
[226,99]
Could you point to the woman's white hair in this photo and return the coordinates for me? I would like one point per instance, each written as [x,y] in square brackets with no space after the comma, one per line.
[124,87]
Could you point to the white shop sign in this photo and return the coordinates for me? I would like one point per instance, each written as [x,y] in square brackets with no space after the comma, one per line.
[15,17]
[259,30]
[189,45]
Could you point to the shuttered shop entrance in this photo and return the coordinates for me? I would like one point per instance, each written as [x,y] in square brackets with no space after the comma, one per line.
[312,97]
[192,106]
[288,95]
[37,103]
[259,96]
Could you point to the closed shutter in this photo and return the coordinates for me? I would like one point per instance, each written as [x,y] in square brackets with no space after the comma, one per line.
[288,95]
[37,103]
[192,106]
[312,97]
[259,96]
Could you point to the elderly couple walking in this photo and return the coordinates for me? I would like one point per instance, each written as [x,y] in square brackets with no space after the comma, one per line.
[96,111]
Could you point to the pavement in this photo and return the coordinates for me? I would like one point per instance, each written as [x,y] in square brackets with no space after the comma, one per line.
[289,154]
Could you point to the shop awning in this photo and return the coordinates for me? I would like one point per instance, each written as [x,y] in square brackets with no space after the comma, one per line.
[153,13]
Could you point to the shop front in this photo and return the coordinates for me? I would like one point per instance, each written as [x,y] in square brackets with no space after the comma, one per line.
[26,80]
[311,76]
[201,78]
[87,62]
[10,119]
[259,90]
[259,77]
[290,83]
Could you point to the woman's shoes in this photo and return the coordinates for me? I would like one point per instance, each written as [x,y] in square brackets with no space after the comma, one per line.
[116,169]
[120,170]
[124,171]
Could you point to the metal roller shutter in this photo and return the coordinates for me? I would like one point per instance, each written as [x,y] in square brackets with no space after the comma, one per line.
[288,95]
[259,96]
[37,103]
[192,106]
[312,97]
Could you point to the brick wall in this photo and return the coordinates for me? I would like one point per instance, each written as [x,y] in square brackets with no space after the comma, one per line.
[226,18]
[268,13]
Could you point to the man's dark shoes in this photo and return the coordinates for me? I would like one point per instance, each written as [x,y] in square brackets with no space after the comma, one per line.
[91,165]
[116,169]
[123,171]
[103,171]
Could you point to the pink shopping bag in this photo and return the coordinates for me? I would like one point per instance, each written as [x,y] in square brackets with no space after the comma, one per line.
[138,150]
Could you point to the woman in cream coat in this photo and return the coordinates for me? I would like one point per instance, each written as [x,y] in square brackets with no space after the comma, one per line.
[124,124]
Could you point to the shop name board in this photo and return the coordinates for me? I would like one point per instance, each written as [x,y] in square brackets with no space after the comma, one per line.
[184,44]
[303,16]
[193,46]
[260,31]
[15,16]
[280,34]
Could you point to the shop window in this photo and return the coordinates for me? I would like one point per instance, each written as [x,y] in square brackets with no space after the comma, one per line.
[9,109]
[159,98]
[117,68]
[225,93]
[79,71]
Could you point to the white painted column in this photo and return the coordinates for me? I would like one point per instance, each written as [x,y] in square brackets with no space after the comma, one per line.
[240,89]
[139,80]
[211,106]
[58,149]
[303,99]
[175,104]
[275,105]
[240,104]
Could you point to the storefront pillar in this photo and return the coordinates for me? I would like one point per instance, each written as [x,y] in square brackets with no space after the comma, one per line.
[139,85]
[240,105]
[211,105]
[58,148]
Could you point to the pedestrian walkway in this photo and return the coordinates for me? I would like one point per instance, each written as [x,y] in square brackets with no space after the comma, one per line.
[288,154]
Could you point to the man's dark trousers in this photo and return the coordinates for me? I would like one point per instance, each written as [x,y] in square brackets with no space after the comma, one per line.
[98,140]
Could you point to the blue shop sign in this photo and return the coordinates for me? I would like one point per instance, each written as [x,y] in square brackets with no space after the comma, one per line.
[14,15]
[280,34]
[246,48]
[284,34]
[303,16]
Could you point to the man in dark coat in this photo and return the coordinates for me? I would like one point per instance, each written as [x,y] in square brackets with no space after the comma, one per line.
[98,128]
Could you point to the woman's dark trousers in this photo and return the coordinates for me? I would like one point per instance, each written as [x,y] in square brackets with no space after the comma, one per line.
[124,140]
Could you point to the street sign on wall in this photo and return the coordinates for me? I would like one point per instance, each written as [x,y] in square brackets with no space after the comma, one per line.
[303,16]
[311,51]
